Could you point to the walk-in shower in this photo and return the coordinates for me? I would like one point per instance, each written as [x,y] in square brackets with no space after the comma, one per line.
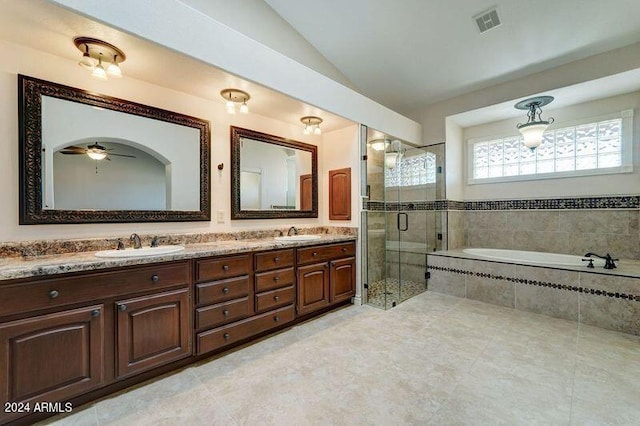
[403,184]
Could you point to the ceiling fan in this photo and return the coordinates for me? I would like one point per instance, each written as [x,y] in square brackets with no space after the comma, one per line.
[95,151]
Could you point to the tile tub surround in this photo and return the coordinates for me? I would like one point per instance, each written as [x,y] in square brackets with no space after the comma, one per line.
[24,267]
[62,246]
[433,360]
[602,298]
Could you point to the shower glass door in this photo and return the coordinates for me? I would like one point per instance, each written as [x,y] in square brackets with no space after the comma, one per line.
[401,222]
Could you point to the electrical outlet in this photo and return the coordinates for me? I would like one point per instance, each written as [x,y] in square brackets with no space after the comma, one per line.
[220,216]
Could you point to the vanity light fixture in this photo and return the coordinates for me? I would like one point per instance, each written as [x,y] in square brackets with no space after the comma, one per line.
[233,97]
[393,154]
[311,125]
[97,50]
[535,126]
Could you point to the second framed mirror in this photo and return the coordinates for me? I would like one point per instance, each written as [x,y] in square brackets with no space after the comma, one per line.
[272,177]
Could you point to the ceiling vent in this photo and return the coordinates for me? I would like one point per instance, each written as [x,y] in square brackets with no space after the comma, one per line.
[487,20]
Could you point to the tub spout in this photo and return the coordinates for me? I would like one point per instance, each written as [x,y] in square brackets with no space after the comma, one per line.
[609,262]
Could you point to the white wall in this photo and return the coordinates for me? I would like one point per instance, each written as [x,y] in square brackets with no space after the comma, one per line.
[173,24]
[608,184]
[26,61]
[340,149]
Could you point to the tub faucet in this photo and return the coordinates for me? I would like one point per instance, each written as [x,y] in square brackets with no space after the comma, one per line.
[292,229]
[608,261]
[135,239]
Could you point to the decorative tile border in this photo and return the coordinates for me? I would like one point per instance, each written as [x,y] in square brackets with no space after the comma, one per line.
[557,286]
[618,202]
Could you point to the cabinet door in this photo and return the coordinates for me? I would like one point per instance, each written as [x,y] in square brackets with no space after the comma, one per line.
[313,287]
[52,357]
[343,279]
[151,331]
[340,194]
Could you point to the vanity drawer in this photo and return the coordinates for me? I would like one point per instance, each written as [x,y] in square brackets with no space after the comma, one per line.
[274,299]
[26,297]
[219,337]
[223,267]
[274,259]
[275,279]
[324,253]
[221,291]
[222,313]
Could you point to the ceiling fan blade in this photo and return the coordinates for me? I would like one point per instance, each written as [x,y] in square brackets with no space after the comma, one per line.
[77,149]
[123,155]
[66,152]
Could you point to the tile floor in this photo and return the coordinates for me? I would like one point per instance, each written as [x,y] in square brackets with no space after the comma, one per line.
[434,359]
[388,293]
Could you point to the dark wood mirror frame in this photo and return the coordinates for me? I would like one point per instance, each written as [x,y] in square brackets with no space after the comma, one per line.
[236,211]
[30,92]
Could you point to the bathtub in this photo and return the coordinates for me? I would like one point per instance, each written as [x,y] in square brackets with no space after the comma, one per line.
[532,257]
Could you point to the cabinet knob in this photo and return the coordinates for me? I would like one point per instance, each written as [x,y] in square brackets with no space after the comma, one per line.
[314,254]
[226,336]
[333,263]
[122,307]
[225,267]
[276,259]
[225,290]
[53,294]
[155,278]
[276,298]
[225,312]
[276,318]
[344,249]
[95,313]
[276,278]
[326,265]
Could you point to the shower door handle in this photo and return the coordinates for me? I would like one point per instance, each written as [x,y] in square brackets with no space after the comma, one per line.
[406,221]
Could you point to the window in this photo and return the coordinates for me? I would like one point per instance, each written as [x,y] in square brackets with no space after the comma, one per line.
[415,170]
[595,147]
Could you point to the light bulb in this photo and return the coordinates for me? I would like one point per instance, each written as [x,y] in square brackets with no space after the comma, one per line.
[378,146]
[317,130]
[96,154]
[231,107]
[114,69]
[98,71]
[244,108]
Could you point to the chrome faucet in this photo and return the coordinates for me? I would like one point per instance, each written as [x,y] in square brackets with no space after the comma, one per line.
[135,239]
[294,229]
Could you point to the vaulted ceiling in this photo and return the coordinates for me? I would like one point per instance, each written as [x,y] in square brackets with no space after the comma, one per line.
[407,54]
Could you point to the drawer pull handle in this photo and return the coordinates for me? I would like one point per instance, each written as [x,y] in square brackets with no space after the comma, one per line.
[344,249]
[276,318]
[276,259]
[225,312]
[276,298]
[333,263]
[53,294]
[226,336]
[155,278]
[225,267]
[314,254]
[95,313]
[225,290]
[122,307]
[276,278]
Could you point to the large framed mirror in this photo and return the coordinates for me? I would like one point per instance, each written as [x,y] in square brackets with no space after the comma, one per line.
[272,177]
[91,158]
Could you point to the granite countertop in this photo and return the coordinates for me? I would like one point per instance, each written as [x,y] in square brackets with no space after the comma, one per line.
[35,266]
[625,267]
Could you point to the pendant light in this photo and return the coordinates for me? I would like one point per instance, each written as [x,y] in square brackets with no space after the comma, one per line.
[233,97]
[94,50]
[311,125]
[533,130]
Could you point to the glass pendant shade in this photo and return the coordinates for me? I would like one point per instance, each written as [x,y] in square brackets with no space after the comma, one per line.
[391,159]
[99,72]
[231,107]
[96,155]
[114,69]
[378,146]
[532,133]
[244,108]
[86,61]
[317,130]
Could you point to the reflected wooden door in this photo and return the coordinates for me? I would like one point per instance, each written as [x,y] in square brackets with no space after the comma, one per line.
[306,185]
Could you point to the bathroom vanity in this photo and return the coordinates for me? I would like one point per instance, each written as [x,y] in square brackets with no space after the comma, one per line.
[73,337]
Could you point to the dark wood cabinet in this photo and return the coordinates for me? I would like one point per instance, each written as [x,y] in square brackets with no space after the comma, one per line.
[340,194]
[330,281]
[342,279]
[313,287]
[152,330]
[52,357]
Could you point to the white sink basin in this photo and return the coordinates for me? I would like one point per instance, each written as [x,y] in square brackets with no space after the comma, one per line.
[298,238]
[143,252]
